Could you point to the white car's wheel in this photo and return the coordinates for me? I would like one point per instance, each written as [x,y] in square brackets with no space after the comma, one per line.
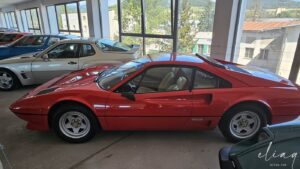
[8,81]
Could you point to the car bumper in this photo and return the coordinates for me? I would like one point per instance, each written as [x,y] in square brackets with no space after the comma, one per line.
[35,121]
[224,160]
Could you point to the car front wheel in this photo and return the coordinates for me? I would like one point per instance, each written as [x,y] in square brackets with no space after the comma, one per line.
[8,81]
[242,122]
[74,124]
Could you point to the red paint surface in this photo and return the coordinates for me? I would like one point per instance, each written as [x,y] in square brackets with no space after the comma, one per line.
[197,109]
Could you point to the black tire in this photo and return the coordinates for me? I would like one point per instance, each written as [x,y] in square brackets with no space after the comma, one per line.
[15,81]
[62,110]
[224,124]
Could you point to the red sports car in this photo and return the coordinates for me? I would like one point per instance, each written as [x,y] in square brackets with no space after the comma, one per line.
[161,92]
[9,37]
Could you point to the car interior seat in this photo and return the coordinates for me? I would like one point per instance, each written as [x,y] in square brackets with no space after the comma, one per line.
[179,85]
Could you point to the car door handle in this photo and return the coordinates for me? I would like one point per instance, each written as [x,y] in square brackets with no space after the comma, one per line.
[72,63]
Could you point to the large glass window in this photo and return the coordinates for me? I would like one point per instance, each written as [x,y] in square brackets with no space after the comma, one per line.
[31,18]
[269,35]
[71,18]
[11,20]
[144,22]
[154,22]
[195,26]
[113,20]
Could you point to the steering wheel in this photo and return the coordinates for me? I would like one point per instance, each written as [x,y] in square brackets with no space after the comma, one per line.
[132,86]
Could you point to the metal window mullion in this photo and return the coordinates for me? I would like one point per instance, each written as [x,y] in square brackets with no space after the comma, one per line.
[120,20]
[17,25]
[79,18]
[56,18]
[38,18]
[31,18]
[143,25]
[175,33]
[67,18]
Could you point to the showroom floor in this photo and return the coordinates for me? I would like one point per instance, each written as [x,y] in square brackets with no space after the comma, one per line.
[27,149]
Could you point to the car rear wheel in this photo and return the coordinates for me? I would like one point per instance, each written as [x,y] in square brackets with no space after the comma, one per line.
[74,123]
[242,122]
[8,81]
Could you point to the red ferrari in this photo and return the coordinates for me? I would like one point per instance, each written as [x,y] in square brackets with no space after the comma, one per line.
[161,92]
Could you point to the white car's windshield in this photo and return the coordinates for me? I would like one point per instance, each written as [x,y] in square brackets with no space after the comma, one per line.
[109,45]
[110,77]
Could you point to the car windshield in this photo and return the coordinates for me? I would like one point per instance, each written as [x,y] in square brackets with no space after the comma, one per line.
[32,41]
[8,37]
[109,45]
[110,77]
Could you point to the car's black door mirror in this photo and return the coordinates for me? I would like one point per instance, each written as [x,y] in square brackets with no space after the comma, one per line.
[128,95]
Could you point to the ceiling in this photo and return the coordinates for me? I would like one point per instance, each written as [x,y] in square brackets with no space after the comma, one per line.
[4,3]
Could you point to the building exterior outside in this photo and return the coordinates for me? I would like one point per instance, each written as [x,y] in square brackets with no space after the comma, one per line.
[267,44]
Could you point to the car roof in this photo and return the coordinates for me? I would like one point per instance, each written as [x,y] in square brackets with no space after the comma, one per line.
[79,40]
[59,35]
[170,57]
[17,33]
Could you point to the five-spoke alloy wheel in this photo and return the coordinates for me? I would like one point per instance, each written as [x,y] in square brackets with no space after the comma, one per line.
[242,122]
[8,80]
[74,123]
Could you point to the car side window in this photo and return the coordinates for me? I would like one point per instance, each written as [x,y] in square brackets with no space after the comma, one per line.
[165,79]
[87,50]
[32,41]
[131,86]
[67,50]
[204,80]
[53,40]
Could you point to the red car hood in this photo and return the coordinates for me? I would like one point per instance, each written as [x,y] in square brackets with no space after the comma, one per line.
[80,77]
[76,79]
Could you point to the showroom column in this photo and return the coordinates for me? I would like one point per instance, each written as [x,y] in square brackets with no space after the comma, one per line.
[44,22]
[93,12]
[226,26]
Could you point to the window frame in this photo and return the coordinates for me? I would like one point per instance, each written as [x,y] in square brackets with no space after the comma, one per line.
[191,85]
[33,28]
[173,36]
[210,74]
[77,50]
[81,50]
[246,53]
[68,30]
[263,54]
[9,20]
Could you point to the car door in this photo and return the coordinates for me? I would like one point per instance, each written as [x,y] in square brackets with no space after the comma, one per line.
[161,101]
[60,60]
[209,99]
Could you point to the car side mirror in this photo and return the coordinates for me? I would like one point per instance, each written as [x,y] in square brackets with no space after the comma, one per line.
[45,57]
[128,95]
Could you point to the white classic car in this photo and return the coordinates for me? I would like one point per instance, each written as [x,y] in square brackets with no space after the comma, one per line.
[62,57]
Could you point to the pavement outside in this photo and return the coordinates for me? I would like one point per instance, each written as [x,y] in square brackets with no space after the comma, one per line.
[27,149]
